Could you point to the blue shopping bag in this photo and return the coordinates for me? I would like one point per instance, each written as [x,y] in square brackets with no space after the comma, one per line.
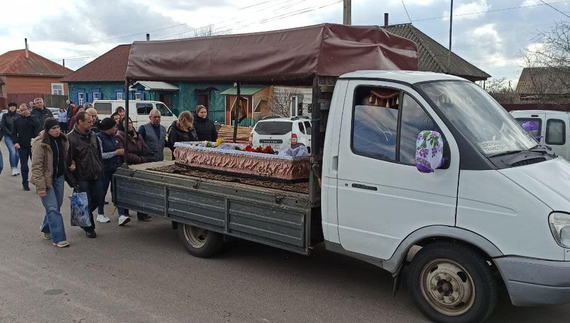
[80,209]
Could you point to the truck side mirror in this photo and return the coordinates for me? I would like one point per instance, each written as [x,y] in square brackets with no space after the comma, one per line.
[429,151]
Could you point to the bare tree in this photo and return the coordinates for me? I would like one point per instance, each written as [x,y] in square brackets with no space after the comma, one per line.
[282,99]
[204,31]
[501,90]
[546,78]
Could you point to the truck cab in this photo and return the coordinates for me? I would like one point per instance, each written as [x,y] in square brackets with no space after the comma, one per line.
[495,203]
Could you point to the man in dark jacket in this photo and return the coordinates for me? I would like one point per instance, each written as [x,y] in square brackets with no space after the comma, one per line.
[26,128]
[40,112]
[85,154]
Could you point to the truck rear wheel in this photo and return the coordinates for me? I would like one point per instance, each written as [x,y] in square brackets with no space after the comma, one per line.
[452,283]
[200,242]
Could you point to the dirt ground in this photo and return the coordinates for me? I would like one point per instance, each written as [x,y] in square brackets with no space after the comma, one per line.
[302,187]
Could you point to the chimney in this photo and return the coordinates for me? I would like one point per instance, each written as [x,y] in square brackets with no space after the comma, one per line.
[26,42]
[147,37]
[385,19]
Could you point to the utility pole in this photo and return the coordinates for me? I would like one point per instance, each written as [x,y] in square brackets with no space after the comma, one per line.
[347,17]
[450,32]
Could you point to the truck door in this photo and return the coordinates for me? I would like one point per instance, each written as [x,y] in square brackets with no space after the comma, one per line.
[556,134]
[382,197]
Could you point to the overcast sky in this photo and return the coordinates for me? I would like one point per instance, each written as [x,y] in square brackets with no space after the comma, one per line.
[490,34]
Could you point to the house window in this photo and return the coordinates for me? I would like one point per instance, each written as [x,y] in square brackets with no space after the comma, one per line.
[296,107]
[80,98]
[96,96]
[57,89]
[137,96]
[120,96]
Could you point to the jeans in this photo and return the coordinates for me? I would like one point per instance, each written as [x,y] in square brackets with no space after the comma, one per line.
[93,188]
[53,221]
[25,154]
[63,126]
[1,162]
[105,187]
[14,156]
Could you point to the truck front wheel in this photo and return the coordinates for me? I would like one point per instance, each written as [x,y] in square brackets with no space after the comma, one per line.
[452,283]
[200,242]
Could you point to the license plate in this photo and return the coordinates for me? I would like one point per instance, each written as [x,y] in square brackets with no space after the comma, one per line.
[270,141]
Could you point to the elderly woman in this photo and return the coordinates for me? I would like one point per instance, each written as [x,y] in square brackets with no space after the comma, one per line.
[182,130]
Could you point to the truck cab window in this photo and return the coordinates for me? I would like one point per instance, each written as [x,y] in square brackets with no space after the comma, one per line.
[375,122]
[414,120]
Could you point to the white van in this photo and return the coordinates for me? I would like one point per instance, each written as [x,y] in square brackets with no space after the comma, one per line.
[548,127]
[138,110]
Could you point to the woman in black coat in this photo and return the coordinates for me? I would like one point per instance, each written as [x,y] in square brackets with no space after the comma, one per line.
[182,130]
[205,128]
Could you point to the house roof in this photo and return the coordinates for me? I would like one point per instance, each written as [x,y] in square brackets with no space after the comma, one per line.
[155,86]
[544,81]
[15,63]
[243,90]
[109,67]
[433,56]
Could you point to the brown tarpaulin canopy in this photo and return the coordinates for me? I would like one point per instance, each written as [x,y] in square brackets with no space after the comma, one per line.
[292,56]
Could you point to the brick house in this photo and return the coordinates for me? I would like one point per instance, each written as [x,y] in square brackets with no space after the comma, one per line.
[25,75]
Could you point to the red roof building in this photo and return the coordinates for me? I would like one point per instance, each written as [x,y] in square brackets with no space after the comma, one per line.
[25,72]
[109,67]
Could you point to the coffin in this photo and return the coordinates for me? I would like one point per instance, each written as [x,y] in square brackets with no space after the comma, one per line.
[226,159]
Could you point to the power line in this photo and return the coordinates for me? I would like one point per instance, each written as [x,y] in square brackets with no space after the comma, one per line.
[488,11]
[407,13]
[554,8]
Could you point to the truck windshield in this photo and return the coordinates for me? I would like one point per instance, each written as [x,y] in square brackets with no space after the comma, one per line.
[478,117]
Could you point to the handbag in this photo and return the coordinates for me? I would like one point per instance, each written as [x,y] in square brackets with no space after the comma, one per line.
[80,209]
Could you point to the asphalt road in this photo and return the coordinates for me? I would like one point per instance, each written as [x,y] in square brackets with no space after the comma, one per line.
[141,273]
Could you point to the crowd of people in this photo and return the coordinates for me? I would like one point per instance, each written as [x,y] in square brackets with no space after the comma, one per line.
[85,152]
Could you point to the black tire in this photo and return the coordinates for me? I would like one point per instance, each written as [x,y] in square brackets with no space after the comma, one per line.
[200,242]
[451,283]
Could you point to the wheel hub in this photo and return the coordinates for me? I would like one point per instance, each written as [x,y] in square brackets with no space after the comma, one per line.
[448,287]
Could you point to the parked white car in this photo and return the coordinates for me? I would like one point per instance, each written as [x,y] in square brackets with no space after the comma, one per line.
[548,127]
[138,110]
[281,133]
[54,111]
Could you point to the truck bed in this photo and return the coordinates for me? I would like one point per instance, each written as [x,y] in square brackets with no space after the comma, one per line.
[264,214]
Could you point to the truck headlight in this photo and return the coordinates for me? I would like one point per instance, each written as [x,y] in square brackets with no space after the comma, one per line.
[560,227]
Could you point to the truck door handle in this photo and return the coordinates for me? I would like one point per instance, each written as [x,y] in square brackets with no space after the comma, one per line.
[335,163]
[365,187]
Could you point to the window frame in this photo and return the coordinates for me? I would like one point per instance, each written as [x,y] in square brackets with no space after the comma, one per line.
[546,134]
[80,98]
[54,90]
[402,93]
